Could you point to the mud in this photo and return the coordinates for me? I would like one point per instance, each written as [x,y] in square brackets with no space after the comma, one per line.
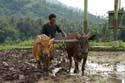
[19,66]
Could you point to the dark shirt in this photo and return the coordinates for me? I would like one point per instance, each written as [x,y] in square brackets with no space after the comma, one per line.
[50,30]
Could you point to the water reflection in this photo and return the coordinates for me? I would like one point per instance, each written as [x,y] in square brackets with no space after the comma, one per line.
[115,72]
[123,81]
[114,76]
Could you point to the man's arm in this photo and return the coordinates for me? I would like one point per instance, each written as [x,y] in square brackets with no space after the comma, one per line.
[63,34]
[60,31]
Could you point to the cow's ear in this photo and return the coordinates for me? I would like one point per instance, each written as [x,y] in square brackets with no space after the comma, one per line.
[92,37]
[52,40]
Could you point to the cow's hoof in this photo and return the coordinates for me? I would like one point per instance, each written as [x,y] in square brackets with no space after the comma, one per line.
[76,71]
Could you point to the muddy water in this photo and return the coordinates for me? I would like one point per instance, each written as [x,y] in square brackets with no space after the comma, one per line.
[101,67]
[19,66]
[109,67]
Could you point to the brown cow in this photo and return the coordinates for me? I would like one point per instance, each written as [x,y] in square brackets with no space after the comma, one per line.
[43,50]
[78,50]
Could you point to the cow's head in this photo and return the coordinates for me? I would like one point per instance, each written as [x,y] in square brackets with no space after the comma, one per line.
[83,41]
[46,45]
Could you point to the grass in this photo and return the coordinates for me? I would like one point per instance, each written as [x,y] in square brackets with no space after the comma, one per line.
[100,43]
[28,44]
[22,45]
[122,44]
[13,47]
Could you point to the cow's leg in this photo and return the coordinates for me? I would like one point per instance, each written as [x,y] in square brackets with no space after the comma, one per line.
[70,62]
[38,62]
[83,64]
[46,64]
[76,65]
[46,69]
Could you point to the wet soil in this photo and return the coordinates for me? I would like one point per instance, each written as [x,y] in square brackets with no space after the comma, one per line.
[19,66]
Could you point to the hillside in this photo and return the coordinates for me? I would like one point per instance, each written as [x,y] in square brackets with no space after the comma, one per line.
[23,19]
[41,8]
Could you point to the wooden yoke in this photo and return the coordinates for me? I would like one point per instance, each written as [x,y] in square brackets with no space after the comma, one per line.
[66,41]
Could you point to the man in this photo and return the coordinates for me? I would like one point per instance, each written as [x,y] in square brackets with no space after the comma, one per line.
[51,27]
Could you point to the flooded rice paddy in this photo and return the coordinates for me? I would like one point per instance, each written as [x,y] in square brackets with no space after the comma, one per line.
[19,66]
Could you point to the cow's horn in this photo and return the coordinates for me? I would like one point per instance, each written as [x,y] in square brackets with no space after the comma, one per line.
[52,39]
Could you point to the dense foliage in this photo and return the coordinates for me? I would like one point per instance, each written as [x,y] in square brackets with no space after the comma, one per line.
[42,8]
[13,29]
[23,19]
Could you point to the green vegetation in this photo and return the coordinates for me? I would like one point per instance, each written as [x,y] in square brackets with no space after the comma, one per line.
[22,20]
[100,43]
[27,44]
[9,47]
[121,44]
[42,8]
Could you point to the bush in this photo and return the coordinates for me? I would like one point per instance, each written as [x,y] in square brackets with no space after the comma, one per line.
[121,44]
